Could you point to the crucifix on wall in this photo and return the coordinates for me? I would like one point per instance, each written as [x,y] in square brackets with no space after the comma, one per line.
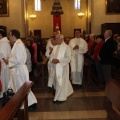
[57,12]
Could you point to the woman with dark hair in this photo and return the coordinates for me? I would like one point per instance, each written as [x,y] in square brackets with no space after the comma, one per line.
[100,42]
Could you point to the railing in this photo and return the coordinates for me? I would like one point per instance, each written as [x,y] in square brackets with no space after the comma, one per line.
[9,111]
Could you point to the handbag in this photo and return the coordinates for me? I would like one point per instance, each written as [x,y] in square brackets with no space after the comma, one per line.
[7,96]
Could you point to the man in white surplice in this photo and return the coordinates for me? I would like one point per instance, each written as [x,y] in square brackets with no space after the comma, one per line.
[17,65]
[78,47]
[5,50]
[48,54]
[60,59]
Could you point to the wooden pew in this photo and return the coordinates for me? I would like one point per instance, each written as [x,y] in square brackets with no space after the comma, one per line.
[9,111]
[112,99]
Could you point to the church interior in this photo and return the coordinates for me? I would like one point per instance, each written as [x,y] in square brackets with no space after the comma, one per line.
[91,101]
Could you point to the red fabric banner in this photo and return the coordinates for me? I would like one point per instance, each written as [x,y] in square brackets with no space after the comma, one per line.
[56,22]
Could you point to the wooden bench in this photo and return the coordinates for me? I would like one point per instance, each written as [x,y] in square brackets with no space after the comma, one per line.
[112,99]
[9,111]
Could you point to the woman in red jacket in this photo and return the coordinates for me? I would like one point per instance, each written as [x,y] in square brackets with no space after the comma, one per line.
[100,42]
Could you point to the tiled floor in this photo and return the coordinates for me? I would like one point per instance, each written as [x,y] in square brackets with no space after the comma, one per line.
[86,103]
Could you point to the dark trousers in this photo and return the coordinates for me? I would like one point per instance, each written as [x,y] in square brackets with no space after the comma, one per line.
[106,72]
[100,73]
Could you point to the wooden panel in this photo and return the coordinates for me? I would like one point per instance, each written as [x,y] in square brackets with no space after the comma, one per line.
[112,92]
[4,28]
[115,27]
[37,33]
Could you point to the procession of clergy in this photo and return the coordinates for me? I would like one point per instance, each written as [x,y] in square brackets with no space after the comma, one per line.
[60,55]
[14,71]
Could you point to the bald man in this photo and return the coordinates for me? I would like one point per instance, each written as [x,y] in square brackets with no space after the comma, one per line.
[106,54]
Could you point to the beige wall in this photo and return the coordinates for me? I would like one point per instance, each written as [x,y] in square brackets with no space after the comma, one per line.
[15,19]
[99,16]
[69,20]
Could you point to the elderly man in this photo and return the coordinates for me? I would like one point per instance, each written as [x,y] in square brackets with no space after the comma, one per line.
[106,54]
[49,41]
[60,59]
[5,50]
[51,46]
[78,47]
[18,69]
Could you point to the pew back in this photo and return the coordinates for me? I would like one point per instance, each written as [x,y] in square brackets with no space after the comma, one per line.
[10,109]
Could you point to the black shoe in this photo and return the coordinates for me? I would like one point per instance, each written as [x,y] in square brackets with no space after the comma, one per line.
[53,93]
[32,107]
[59,102]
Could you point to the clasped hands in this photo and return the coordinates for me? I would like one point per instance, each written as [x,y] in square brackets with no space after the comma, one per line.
[51,49]
[55,61]
[6,60]
[76,47]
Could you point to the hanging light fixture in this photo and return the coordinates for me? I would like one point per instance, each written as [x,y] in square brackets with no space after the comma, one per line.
[57,8]
[81,14]
[32,16]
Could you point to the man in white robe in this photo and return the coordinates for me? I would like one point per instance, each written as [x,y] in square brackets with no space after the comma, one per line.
[60,59]
[49,44]
[17,65]
[48,54]
[78,47]
[5,50]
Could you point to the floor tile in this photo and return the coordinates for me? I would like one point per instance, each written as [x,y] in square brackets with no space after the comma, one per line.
[75,115]
[36,115]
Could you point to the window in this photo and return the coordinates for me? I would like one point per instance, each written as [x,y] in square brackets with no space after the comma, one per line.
[37,5]
[77,4]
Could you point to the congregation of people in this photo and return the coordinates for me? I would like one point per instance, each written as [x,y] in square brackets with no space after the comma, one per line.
[66,59]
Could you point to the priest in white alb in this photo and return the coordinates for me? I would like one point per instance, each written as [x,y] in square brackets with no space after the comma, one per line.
[78,47]
[5,50]
[60,59]
[17,65]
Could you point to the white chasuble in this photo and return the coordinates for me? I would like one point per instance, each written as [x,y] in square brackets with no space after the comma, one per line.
[63,86]
[59,68]
[77,60]
[77,66]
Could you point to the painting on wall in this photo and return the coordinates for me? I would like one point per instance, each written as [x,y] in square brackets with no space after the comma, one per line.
[113,6]
[4,8]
